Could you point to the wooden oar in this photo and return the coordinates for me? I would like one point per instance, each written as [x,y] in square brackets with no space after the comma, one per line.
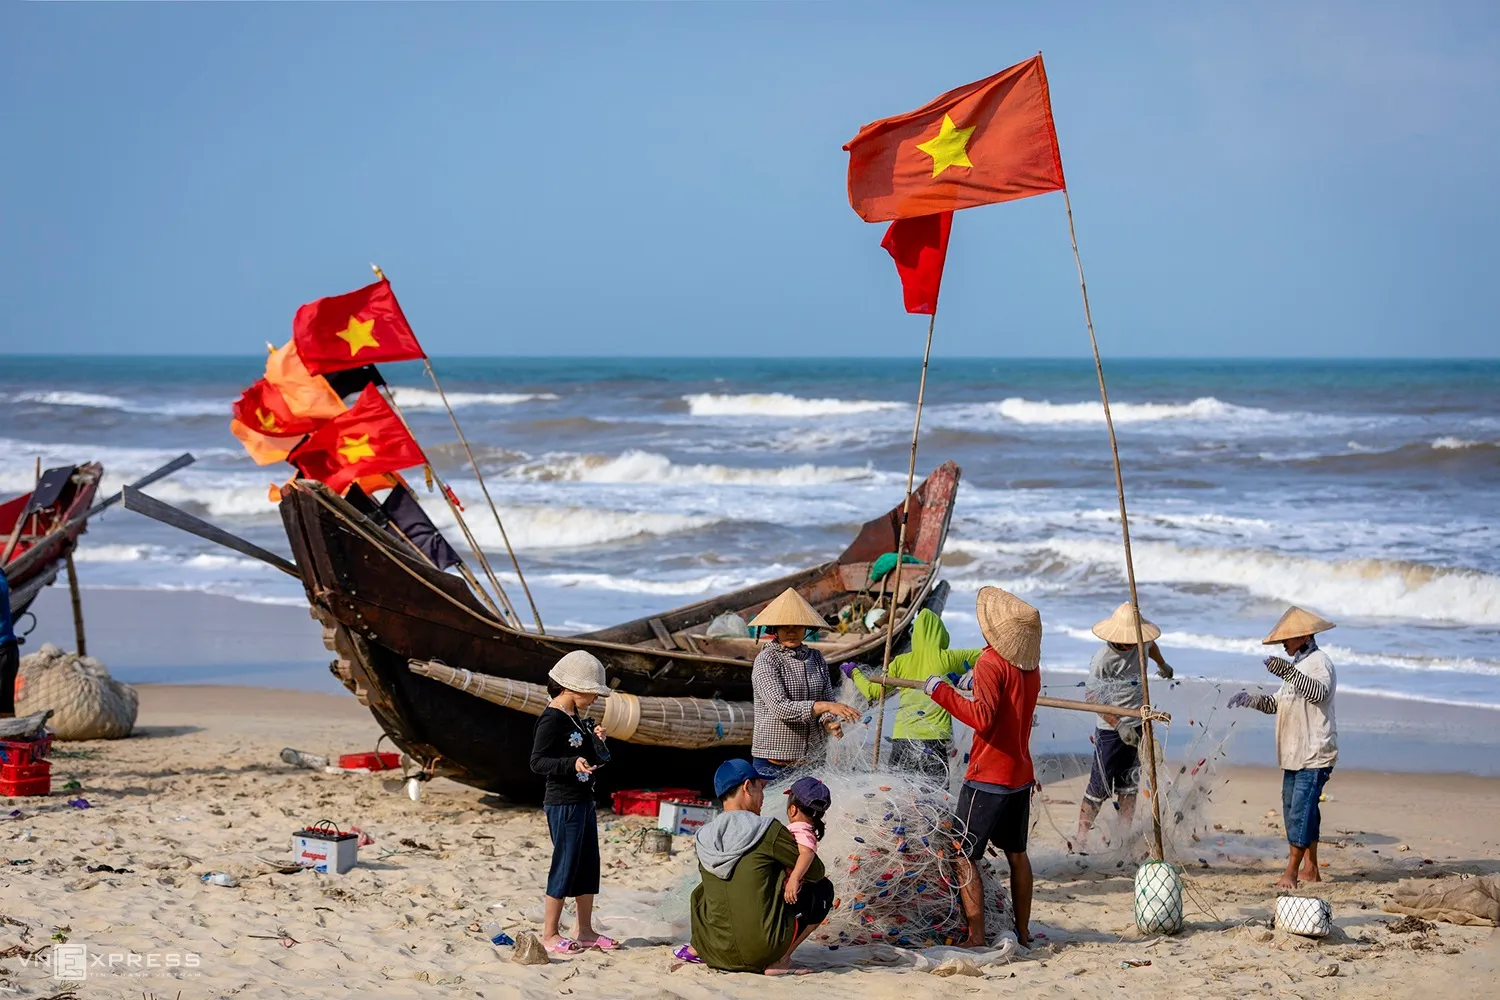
[1075,706]
[167,514]
[180,462]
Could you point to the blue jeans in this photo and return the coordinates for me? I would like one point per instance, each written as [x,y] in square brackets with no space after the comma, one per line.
[1299,804]
[770,771]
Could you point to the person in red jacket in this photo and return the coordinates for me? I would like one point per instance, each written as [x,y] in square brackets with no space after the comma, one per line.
[994,806]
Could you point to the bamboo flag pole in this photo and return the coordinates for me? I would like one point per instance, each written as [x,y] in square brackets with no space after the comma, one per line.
[911,477]
[1148,730]
[483,487]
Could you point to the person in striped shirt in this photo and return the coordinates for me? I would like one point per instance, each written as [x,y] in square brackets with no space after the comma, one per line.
[1306,734]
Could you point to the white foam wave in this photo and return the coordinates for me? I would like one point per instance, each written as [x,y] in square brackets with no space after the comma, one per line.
[1026,411]
[99,401]
[779,404]
[636,466]
[1454,444]
[237,497]
[409,398]
[1380,588]
[564,527]
[713,583]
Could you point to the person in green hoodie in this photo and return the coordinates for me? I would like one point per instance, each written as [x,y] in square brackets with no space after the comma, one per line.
[923,730]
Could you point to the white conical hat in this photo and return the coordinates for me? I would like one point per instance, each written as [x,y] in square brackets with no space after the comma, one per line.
[791,608]
[1012,627]
[1296,622]
[1120,627]
[580,671]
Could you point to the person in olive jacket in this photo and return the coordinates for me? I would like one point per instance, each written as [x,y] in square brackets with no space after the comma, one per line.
[740,920]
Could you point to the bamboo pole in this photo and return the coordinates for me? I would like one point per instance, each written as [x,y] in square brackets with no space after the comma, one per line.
[1043,701]
[483,487]
[1148,742]
[21,518]
[78,639]
[911,477]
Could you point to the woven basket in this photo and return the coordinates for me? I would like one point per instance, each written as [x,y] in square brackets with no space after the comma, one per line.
[687,723]
[1158,898]
[1304,915]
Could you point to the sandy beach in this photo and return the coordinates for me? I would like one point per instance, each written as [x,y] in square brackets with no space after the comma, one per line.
[200,789]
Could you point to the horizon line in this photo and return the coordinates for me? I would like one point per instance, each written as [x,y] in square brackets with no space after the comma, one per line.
[1081,358]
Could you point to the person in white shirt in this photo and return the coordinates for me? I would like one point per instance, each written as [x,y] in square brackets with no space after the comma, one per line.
[1306,734]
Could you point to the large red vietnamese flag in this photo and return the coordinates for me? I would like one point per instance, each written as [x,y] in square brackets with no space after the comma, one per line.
[359,328]
[369,439]
[981,143]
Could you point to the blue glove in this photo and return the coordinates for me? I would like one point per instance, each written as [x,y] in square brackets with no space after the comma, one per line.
[1241,700]
[849,667]
[932,684]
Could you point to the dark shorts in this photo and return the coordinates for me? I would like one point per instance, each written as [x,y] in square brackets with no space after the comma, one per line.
[10,663]
[814,903]
[928,757]
[999,818]
[772,771]
[1117,767]
[1299,804]
[575,850]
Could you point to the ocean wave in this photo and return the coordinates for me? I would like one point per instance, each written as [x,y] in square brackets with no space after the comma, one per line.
[636,466]
[563,527]
[1367,588]
[99,401]
[713,583]
[779,404]
[1457,444]
[409,398]
[1026,411]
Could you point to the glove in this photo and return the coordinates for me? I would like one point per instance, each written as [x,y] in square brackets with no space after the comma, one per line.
[1241,700]
[848,668]
[1164,672]
[1276,665]
[965,681]
[932,684]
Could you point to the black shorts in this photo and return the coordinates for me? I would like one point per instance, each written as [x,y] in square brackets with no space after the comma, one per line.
[1117,767]
[814,903]
[999,818]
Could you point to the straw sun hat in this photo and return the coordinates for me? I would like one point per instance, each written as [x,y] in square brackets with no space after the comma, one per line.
[580,671]
[1011,627]
[1294,624]
[791,608]
[1120,627]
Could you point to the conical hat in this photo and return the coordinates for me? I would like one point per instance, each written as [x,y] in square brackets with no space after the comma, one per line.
[1010,626]
[791,608]
[1120,627]
[1294,623]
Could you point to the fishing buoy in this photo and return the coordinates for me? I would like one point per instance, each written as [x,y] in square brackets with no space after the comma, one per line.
[1158,898]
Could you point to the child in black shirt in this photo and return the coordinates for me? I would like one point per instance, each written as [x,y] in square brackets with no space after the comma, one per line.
[568,748]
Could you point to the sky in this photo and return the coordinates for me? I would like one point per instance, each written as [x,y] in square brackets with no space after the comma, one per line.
[1272,179]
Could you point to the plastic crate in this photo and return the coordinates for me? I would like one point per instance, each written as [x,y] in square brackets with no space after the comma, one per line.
[370,761]
[26,779]
[647,801]
[25,752]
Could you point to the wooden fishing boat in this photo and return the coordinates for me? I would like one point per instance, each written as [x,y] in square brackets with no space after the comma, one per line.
[38,530]
[383,606]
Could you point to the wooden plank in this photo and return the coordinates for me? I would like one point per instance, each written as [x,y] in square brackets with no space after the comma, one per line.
[662,634]
[167,514]
[180,462]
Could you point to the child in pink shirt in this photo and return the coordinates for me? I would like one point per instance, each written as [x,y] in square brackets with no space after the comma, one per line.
[806,802]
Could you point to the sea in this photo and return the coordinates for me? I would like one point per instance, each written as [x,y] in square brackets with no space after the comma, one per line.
[1368,492]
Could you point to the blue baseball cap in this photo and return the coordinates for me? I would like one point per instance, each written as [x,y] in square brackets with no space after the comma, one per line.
[811,792]
[732,774]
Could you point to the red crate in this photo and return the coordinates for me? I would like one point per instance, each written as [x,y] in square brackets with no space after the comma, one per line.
[647,801]
[26,779]
[26,772]
[25,752]
[370,761]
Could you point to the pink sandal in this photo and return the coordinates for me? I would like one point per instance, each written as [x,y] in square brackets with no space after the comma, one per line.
[602,943]
[565,946]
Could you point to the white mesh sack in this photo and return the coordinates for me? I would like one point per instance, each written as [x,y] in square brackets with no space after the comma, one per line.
[1304,915]
[86,702]
[1158,898]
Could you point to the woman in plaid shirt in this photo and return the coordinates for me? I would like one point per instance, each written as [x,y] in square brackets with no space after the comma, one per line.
[794,706]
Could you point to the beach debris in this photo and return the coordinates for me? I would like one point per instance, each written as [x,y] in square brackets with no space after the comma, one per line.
[72,785]
[415,844]
[365,840]
[281,936]
[301,758]
[1134,963]
[958,965]
[529,950]
[93,869]
[225,879]
[1403,848]
[1327,971]
[495,931]
[79,803]
[325,848]
[1410,924]
[414,789]
[86,702]
[370,761]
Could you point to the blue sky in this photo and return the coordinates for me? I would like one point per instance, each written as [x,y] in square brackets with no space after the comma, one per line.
[1288,179]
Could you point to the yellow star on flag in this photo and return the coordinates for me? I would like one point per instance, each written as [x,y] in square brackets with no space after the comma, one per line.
[358,336]
[948,148]
[355,448]
[267,420]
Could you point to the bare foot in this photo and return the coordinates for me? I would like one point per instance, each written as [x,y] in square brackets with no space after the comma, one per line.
[1287,882]
[973,942]
[1309,876]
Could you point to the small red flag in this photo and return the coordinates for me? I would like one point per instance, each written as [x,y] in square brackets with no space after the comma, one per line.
[368,439]
[919,247]
[985,142]
[354,330]
[262,408]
